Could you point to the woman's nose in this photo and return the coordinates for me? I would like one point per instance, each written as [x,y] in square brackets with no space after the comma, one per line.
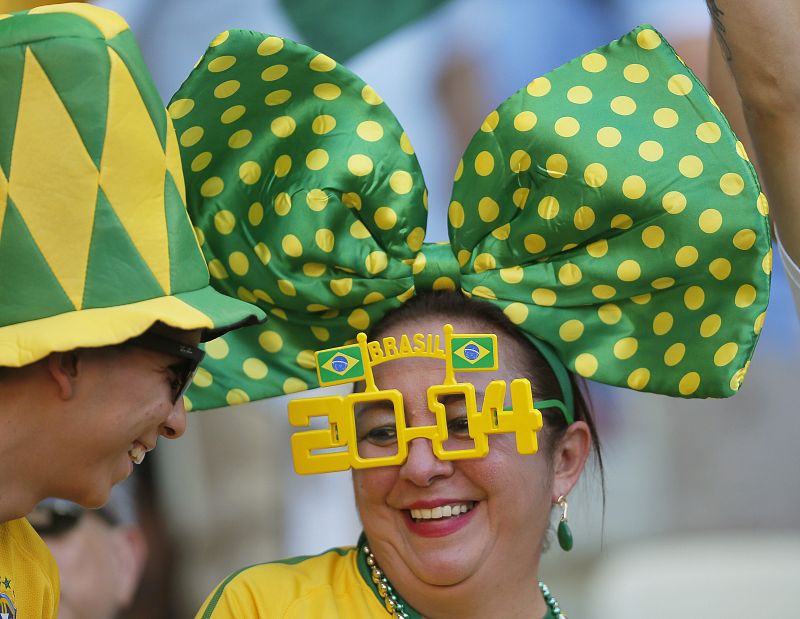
[422,467]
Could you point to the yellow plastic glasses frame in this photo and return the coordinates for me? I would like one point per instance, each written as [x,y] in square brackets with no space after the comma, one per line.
[336,448]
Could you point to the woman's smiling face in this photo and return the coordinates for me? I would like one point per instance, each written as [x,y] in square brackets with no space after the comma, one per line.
[499,505]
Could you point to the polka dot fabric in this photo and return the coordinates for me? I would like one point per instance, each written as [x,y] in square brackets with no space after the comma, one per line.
[308,201]
[606,207]
[627,228]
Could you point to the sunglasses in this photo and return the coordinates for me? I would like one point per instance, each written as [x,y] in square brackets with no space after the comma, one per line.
[190,357]
[56,517]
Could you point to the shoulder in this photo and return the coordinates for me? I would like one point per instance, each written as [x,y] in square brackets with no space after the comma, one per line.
[28,572]
[303,571]
[269,589]
[24,544]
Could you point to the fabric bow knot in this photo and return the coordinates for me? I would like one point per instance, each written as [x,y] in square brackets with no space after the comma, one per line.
[607,208]
[436,268]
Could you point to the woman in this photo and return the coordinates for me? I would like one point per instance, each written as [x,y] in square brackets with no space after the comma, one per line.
[498,542]
[480,561]
[604,219]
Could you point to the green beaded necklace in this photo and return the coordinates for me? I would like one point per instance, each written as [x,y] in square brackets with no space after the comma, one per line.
[397,608]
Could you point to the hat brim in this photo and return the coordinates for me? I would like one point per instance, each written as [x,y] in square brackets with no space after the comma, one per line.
[206,309]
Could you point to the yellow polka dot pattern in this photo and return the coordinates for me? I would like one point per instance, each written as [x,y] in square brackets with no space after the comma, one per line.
[282,147]
[605,208]
[625,196]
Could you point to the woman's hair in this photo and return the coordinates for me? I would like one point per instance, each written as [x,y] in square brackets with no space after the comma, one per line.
[451,304]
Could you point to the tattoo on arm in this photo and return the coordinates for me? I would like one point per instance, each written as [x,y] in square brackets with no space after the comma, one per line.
[716,16]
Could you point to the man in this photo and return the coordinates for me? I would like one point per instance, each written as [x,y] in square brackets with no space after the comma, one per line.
[104,292]
[100,553]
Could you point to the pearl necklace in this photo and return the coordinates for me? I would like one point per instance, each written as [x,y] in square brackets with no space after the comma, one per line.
[396,608]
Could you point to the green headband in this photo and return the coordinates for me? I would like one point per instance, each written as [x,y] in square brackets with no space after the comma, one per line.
[607,208]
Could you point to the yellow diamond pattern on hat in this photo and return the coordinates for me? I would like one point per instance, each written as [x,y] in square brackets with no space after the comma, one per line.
[95,241]
[133,170]
[42,122]
[3,200]
[107,22]
[174,168]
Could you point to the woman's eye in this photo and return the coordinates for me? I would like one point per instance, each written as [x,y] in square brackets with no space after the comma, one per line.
[458,427]
[382,435]
[375,423]
[457,422]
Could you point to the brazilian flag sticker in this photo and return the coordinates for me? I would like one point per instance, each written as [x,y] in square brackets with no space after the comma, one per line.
[474,352]
[340,365]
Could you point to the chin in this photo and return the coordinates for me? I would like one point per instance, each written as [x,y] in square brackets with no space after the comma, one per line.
[95,490]
[443,568]
[90,498]
[95,497]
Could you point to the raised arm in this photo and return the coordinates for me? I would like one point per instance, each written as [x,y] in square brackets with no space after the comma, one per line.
[758,41]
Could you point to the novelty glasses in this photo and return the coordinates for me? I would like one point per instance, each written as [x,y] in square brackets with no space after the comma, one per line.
[368,428]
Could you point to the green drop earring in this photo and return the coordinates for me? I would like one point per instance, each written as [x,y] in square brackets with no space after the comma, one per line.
[564,532]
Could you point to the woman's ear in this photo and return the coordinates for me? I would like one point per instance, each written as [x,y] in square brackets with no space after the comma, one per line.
[569,458]
[63,369]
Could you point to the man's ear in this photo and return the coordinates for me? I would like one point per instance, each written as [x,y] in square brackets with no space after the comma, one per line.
[63,368]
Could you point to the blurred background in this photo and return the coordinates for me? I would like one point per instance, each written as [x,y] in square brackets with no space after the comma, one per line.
[701,516]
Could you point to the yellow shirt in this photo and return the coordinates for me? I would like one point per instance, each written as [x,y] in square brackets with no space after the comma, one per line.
[326,586]
[333,585]
[28,573]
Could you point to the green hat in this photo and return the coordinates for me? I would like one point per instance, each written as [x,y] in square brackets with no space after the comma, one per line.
[95,241]
[607,208]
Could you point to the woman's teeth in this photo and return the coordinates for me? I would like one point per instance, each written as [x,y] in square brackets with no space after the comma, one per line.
[137,454]
[444,511]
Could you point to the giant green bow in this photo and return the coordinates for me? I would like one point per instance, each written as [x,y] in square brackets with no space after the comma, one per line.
[607,208]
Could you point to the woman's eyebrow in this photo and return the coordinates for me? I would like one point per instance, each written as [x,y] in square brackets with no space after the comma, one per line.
[450,398]
[377,406]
